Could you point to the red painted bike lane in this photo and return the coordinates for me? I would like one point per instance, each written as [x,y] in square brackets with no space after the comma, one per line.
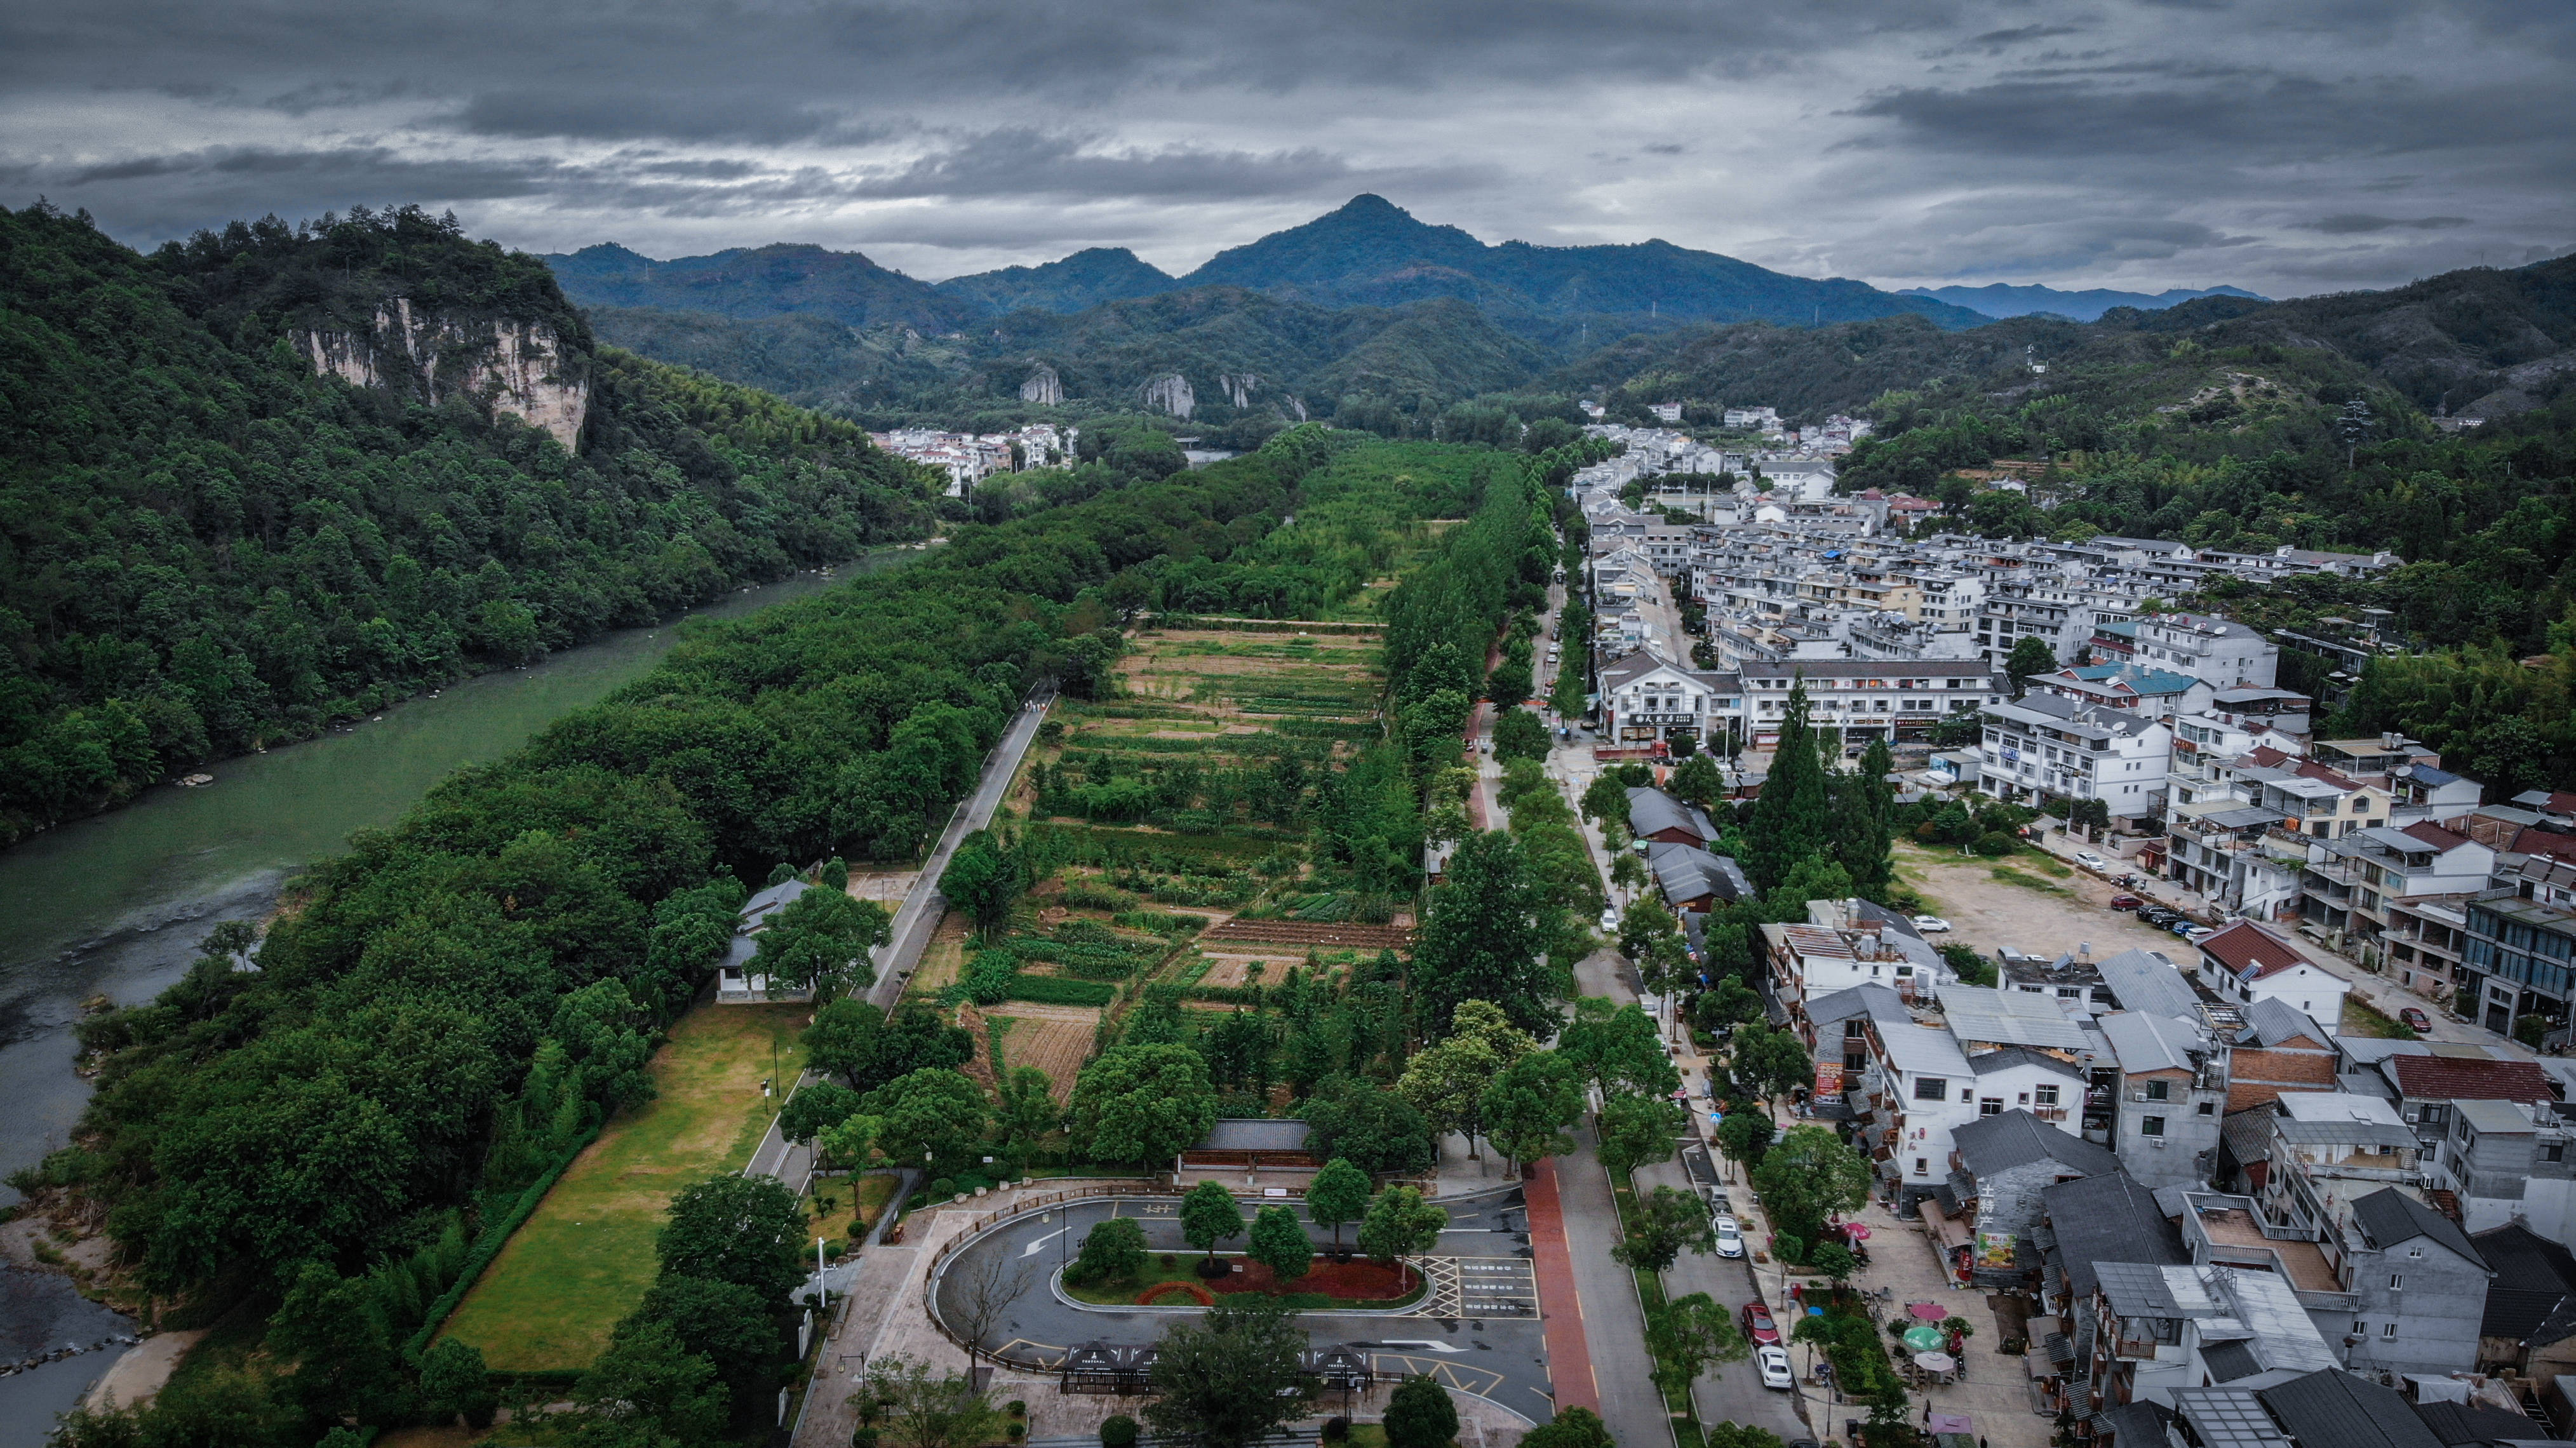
[1569,1358]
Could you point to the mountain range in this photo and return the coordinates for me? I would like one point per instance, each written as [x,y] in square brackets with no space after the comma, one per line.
[1998,299]
[1368,252]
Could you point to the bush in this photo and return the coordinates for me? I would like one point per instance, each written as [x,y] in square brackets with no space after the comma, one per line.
[989,979]
[1994,846]
[1057,991]
[942,1188]
[1337,1430]
[1118,1431]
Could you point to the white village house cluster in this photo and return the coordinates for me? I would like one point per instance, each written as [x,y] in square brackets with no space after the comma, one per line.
[2211,1188]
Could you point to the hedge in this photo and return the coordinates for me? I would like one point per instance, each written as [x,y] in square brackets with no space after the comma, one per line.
[488,1244]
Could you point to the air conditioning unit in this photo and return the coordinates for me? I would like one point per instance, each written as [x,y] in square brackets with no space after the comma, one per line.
[2158,1142]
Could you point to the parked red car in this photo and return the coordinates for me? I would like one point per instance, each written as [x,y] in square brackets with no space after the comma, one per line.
[1757,1323]
[2126,902]
[2415,1019]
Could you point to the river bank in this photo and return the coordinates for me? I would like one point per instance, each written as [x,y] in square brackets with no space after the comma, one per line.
[114,905]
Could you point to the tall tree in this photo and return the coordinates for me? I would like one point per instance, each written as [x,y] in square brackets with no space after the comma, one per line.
[648,1388]
[1617,1048]
[1482,938]
[1660,1224]
[985,877]
[1699,780]
[1142,1105]
[1420,1415]
[1770,1063]
[744,1230]
[1209,1215]
[2029,658]
[1375,1129]
[932,1118]
[1809,1176]
[1338,1195]
[1278,1243]
[1788,820]
[927,1409]
[1446,1082]
[1232,1377]
[1637,1129]
[1529,1106]
[1688,1336]
[1400,1223]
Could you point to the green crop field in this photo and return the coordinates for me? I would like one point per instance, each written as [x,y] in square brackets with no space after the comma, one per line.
[586,1256]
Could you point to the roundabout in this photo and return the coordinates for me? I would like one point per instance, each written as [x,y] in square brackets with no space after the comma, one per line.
[1473,1327]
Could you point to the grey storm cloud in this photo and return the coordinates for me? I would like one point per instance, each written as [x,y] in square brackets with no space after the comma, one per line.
[2089,141]
[2362,223]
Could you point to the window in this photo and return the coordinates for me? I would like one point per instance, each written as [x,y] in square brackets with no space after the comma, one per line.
[2396,1280]
[1922,1165]
[2209,1108]
[1931,1088]
[2387,1330]
[2415,1251]
[2359,1327]
[2151,1126]
[2159,1090]
[2046,1095]
[1991,1106]
[2553,1153]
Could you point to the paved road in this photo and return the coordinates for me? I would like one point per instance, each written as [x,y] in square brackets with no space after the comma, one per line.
[919,916]
[1478,1333]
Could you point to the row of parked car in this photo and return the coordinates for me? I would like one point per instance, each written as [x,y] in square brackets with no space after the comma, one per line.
[2163,917]
[1770,1357]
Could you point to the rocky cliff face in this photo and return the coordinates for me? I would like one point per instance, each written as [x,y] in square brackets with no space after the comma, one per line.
[520,368]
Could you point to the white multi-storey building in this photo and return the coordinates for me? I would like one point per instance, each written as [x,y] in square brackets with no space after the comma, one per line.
[2043,745]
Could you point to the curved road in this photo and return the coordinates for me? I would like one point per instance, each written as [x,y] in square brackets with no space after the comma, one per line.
[1490,1344]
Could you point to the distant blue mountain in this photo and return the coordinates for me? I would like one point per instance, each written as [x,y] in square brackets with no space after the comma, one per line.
[1999,300]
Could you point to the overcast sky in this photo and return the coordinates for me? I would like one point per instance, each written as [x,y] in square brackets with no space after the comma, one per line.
[2292,146]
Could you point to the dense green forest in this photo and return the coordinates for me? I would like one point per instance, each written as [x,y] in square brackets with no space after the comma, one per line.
[205,548]
[369,1091]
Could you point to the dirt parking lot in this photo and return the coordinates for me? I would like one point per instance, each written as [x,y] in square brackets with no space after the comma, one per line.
[1986,912]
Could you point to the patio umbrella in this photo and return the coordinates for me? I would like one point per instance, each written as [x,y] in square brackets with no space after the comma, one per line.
[1934,1362]
[1855,1232]
[1924,1339]
[1928,1311]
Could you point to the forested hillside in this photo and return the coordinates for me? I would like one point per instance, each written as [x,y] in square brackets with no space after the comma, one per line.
[1288,360]
[206,547]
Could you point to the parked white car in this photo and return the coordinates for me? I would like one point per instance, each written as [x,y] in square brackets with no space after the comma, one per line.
[1773,1362]
[1610,920]
[2088,859]
[1730,1237]
[1931,924]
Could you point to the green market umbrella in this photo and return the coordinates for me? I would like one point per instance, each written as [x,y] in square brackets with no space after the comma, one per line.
[1924,1339]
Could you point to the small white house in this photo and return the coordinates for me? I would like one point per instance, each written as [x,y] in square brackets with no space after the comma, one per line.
[2248,963]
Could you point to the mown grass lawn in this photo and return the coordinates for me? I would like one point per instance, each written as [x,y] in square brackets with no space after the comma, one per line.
[584,1258]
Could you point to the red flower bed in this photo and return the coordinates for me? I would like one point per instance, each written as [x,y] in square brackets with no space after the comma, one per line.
[1358,1280]
[1162,1290]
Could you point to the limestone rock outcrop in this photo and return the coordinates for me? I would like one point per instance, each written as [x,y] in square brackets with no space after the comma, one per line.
[1171,393]
[517,367]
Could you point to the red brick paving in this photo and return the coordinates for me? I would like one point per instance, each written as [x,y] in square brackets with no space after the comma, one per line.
[1569,1359]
